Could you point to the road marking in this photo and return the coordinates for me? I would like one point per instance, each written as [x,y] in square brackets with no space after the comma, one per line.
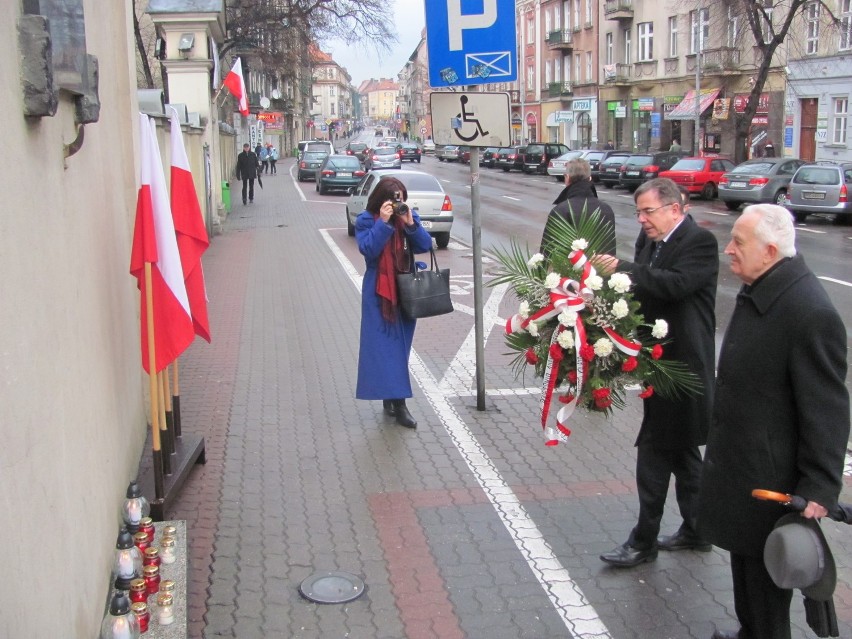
[297,183]
[719,213]
[579,616]
[802,228]
[831,279]
[509,197]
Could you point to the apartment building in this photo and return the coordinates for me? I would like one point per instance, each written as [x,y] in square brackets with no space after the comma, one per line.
[332,102]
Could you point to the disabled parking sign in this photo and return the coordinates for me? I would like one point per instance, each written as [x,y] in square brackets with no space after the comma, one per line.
[471,42]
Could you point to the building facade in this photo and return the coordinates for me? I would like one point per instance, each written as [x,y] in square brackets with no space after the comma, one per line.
[331,112]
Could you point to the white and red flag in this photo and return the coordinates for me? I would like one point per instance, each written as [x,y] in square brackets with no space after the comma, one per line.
[192,238]
[237,86]
[154,241]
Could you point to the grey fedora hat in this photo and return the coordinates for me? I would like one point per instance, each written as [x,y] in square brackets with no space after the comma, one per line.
[797,555]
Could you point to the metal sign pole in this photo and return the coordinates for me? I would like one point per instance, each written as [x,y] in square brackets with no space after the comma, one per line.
[476,241]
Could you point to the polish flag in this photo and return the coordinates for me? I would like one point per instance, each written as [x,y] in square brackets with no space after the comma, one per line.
[191,233]
[237,86]
[154,241]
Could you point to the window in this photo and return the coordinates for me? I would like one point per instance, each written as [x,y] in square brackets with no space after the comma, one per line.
[646,41]
[841,111]
[577,22]
[589,13]
[733,27]
[578,67]
[530,77]
[609,53]
[530,30]
[627,45]
[812,16]
[589,73]
[766,22]
[699,30]
[547,16]
[673,36]
[845,24]
[566,68]
[566,13]
[557,69]
[332,108]
[331,91]
[556,18]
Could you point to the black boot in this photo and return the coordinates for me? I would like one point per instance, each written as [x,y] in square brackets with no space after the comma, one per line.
[390,410]
[403,417]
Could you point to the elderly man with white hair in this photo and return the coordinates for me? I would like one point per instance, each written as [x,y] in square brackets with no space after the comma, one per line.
[780,412]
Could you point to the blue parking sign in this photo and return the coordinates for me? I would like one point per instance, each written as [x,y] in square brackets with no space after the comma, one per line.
[471,42]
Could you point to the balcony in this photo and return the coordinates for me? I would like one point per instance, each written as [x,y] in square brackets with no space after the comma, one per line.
[557,89]
[562,39]
[721,61]
[616,73]
[618,9]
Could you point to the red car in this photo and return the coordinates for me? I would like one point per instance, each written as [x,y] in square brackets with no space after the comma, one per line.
[699,175]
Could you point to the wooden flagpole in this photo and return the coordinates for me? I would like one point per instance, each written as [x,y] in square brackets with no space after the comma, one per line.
[157,453]
[164,434]
[176,399]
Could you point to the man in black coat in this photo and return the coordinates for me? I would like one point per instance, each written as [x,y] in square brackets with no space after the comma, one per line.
[781,412]
[247,172]
[579,195]
[674,272]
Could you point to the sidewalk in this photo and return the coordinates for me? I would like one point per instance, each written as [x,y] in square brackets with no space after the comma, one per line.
[467,527]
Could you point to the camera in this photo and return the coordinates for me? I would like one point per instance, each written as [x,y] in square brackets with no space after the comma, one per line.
[399,207]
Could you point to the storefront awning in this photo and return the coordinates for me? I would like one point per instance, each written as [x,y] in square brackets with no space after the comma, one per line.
[686,109]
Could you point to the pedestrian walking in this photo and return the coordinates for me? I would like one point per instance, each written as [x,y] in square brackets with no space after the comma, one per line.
[675,146]
[780,415]
[388,231]
[769,149]
[264,159]
[609,146]
[247,172]
[273,158]
[675,271]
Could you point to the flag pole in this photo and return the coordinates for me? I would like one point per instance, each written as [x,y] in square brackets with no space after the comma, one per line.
[176,399]
[164,434]
[167,397]
[157,454]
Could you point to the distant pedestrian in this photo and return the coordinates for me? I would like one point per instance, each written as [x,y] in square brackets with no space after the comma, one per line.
[264,159]
[769,149]
[258,149]
[247,172]
[273,158]
[609,146]
[675,146]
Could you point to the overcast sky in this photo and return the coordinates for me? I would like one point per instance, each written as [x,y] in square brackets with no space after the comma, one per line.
[363,64]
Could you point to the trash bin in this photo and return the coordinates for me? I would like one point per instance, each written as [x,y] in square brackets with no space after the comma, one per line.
[226,196]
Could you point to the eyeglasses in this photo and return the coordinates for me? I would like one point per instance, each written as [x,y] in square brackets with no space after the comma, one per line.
[647,212]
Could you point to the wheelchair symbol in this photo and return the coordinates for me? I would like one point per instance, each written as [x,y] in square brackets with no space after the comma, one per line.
[467,116]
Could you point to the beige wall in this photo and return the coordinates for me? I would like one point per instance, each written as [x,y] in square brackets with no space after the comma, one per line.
[71,386]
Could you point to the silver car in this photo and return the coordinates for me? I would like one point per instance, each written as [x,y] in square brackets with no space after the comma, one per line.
[758,180]
[383,157]
[556,167]
[448,152]
[425,195]
[821,187]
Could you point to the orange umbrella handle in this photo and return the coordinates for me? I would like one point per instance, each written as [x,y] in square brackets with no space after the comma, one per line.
[771,495]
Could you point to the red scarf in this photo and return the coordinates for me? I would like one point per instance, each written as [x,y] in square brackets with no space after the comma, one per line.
[393,260]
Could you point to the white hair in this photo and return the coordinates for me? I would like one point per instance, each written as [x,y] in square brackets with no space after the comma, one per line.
[774,226]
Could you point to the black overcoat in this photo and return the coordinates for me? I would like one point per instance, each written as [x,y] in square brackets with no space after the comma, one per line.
[680,289]
[246,166]
[575,199]
[781,415]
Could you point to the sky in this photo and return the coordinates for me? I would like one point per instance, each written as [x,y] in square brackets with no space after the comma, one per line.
[363,64]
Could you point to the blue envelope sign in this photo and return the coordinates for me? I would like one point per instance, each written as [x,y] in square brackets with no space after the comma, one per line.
[471,42]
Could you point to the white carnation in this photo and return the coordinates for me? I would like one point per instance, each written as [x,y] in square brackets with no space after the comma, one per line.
[661,329]
[532,327]
[594,282]
[567,318]
[579,244]
[620,282]
[566,340]
[524,310]
[552,280]
[620,309]
[603,347]
[535,260]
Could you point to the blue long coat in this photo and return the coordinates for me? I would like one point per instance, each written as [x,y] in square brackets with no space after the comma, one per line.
[385,346]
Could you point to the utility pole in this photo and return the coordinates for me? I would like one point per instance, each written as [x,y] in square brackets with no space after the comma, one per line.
[521,80]
[699,39]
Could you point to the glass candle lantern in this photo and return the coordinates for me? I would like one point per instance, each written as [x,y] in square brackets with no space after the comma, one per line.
[152,557]
[167,550]
[151,574]
[146,524]
[140,609]
[166,614]
[135,507]
[119,621]
[127,565]
[138,591]
[142,541]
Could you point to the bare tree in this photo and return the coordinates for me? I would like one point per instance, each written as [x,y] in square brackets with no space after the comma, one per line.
[145,36]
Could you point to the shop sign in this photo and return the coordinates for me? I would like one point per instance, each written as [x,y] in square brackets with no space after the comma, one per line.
[644,104]
[721,108]
[564,116]
[668,107]
[530,118]
[621,111]
[673,100]
[516,119]
[788,120]
[612,106]
[788,136]
[581,105]
[760,120]
[741,100]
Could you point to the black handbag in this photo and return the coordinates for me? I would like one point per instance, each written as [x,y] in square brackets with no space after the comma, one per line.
[424,293]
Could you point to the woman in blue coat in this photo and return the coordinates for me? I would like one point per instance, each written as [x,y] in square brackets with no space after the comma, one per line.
[387,233]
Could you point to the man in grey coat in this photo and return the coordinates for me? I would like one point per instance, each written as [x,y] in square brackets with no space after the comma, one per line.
[781,412]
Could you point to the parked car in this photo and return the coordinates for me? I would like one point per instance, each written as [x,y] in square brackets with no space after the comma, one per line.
[338,172]
[758,180]
[425,195]
[358,149]
[609,171]
[556,167]
[537,156]
[699,175]
[323,146]
[309,163]
[642,167]
[429,147]
[489,156]
[383,157]
[595,158]
[463,154]
[447,153]
[821,187]
[510,157]
[409,151]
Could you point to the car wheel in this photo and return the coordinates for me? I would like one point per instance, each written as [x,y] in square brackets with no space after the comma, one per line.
[322,190]
[418,160]
[709,191]
[608,185]
[440,159]
[732,206]
[800,216]
[781,198]
[442,240]
[558,178]
[350,228]
[316,187]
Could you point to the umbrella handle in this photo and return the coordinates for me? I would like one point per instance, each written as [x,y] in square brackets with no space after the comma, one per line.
[794,502]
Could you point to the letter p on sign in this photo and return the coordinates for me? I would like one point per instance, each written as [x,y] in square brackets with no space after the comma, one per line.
[458,23]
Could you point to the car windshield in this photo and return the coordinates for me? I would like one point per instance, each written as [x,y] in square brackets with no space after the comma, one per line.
[314,155]
[418,182]
[343,162]
[385,150]
[615,159]
[357,147]
[506,150]
[317,147]
[594,156]
[753,167]
[570,155]
[535,148]
[639,160]
[689,165]
[817,175]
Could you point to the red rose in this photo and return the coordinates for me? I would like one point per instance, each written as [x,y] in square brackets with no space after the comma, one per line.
[532,358]
[556,352]
[572,377]
[567,398]
[587,352]
[629,364]
[656,352]
[600,393]
[645,394]
[603,403]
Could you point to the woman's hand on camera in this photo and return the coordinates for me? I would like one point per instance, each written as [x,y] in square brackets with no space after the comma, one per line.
[386,212]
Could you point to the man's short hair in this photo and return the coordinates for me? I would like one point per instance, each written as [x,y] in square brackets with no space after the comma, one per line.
[774,226]
[246,145]
[684,194]
[578,169]
[667,191]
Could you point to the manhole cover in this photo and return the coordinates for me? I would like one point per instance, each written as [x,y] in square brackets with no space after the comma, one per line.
[331,587]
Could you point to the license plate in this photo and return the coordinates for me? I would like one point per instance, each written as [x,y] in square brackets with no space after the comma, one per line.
[813,196]
[632,173]
[738,185]
[426,224]
[344,175]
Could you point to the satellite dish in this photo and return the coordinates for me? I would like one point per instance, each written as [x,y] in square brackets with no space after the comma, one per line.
[264,102]
[276,94]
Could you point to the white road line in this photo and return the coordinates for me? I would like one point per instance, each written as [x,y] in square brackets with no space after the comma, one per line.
[579,616]
[806,230]
[719,213]
[831,279]
[509,197]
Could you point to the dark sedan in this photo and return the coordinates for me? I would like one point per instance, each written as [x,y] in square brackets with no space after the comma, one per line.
[338,173]
[489,156]
[309,164]
[463,154]
[409,151]
[758,180]
[357,149]
[510,157]
[641,167]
